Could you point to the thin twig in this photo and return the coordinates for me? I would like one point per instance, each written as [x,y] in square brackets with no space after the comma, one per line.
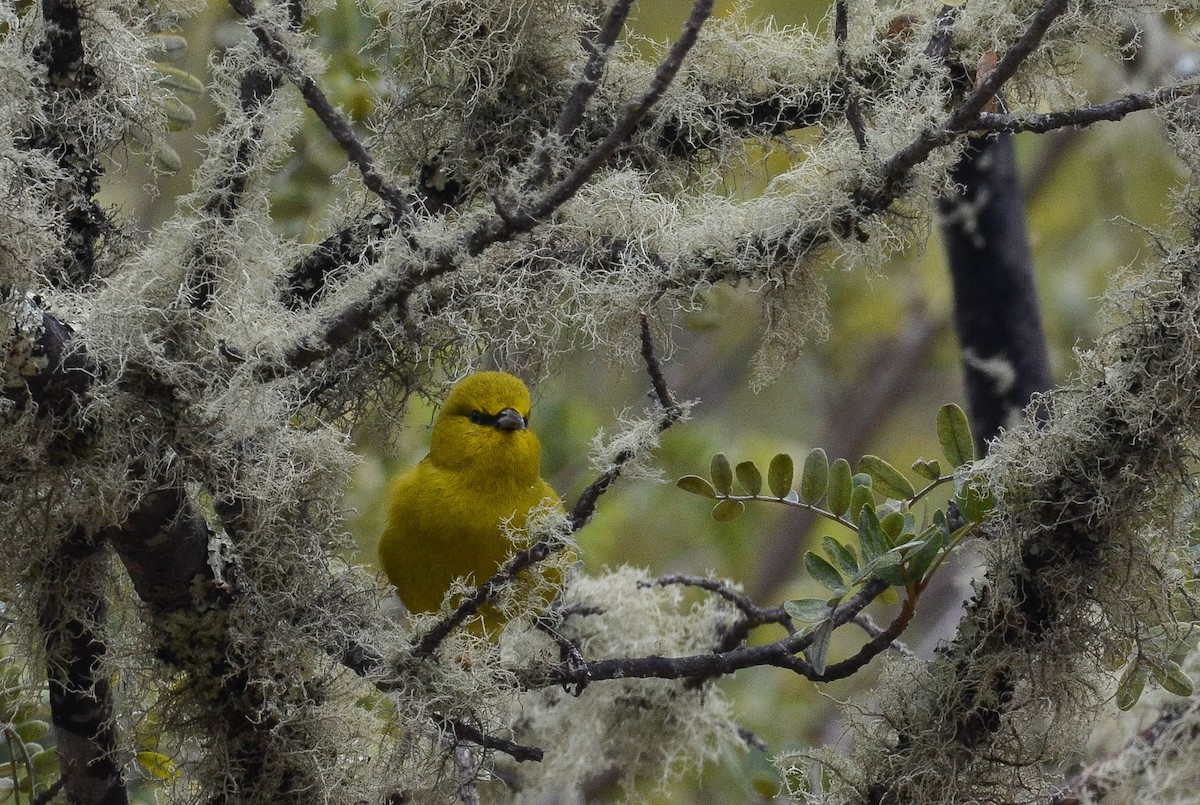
[525,218]
[671,412]
[865,622]
[335,123]
[755,615]
[781,653]
[1112,110]
[465,732]
[599,47]
[841,30]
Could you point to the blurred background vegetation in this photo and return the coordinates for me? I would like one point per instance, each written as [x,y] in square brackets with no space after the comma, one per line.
[872,385]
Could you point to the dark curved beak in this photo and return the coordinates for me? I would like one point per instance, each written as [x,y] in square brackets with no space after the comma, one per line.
[508,419]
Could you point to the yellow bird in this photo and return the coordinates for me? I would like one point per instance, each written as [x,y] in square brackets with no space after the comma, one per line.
[447,515]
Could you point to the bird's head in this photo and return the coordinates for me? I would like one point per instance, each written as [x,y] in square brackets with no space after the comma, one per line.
[484,426]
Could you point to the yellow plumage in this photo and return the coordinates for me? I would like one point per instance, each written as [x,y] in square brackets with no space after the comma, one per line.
[447,514]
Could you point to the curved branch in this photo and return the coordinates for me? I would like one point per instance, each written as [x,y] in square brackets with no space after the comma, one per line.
[335,123]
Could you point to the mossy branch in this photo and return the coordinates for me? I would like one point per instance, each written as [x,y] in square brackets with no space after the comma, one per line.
[334,121]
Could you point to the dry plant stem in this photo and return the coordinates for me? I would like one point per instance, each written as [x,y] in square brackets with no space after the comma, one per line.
[335,123]
[865,622]
[465,732]
[580,514]
[841,29]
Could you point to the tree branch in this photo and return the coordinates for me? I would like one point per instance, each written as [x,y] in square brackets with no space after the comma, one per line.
[335,123]
[1116,109]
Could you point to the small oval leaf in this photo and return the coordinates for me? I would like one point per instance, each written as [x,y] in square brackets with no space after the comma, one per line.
[841,482]
[861,498]
[727,510]
[1175,680]
[892,525]
[824,573]
[929,470]
[1132,683]
[779,475]
[818,650]
[721,474]
[954,435]
[886,479]
[842,556]
[749,477]
[870,541]
[815,479]
[697,486]
[807,610]
[32,730]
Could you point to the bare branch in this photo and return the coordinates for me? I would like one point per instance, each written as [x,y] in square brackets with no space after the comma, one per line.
[1116,109]
[781,653]
[335,123]
[598,47]
[525,218]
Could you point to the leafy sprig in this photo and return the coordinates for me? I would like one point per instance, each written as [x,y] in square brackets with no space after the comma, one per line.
[875,503]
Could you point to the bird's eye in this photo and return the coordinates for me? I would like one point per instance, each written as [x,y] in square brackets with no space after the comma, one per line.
[476,417]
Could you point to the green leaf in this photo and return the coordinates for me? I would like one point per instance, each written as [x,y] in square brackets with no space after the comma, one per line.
[727,510]
[842,556]
[1174,679]
[1132,683]
[807,610]
[824,573]
[179,80]
[954,435]
[721,474]
[975,502]
[919,561]
[840,485]
[32,730]
[861,498]
[887,480]
[779,475]
[45,763]
[815,479]
[892,526]
[818,650]
[166,46]
[749,477]
[697,486]
[870,539]
[929,470]
[179,115]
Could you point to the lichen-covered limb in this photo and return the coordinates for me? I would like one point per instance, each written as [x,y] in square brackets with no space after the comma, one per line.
[1080,567]
[781,653]
[72,612]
